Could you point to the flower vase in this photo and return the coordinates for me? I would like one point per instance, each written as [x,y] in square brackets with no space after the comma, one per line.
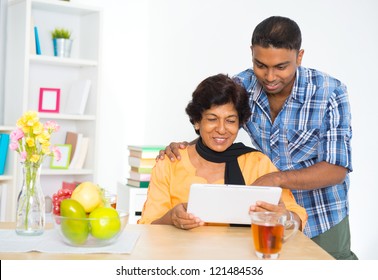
[30,215]
[62,47]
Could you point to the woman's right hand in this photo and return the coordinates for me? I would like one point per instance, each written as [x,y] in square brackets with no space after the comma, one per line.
[172,151]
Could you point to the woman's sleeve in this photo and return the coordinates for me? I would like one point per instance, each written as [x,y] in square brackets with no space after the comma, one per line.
[158,200]
[291,205]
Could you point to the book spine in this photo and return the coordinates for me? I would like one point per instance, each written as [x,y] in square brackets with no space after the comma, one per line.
[37,44]
[138,184]
[140,176]
[4,142]
[139,162]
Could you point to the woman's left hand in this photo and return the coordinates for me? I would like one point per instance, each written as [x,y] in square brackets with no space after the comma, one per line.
[182,219]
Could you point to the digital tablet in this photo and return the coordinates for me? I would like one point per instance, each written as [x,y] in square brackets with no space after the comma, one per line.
[230,204]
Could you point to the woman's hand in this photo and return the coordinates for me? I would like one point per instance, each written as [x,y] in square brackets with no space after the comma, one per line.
[183,220]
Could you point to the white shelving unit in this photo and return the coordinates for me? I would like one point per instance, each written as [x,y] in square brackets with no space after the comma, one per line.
[132,201]
[8,183]
[27,72]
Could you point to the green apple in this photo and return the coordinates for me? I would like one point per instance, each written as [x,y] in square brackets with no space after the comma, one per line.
[73,223]
[105,222]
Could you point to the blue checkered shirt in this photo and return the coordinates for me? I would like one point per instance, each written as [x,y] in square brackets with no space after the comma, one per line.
[314,125]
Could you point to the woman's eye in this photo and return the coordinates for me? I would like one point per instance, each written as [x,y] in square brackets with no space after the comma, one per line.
[211,120]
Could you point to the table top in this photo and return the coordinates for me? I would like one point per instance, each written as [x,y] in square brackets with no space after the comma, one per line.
[163,242]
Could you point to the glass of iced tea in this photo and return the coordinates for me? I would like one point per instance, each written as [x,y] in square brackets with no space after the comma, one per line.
[112,200]
[269,231]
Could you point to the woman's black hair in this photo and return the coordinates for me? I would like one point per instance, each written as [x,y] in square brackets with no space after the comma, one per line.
[218,90]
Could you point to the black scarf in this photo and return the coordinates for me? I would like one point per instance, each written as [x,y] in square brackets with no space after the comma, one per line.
[232,174]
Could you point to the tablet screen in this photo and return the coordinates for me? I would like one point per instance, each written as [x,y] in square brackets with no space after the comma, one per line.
[228,203]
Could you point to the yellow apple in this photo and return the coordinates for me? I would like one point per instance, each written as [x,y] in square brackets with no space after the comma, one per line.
[105,222]
[89,195]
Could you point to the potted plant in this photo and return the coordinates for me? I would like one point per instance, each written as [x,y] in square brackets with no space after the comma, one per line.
[62,42]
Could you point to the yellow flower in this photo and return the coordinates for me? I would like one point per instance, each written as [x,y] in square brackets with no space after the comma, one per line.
[44,137]
[46,148]
[32,139]
[34,158]
[37,128]
[27,120]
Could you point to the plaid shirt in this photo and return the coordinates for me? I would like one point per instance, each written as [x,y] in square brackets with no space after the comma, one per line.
[314,125]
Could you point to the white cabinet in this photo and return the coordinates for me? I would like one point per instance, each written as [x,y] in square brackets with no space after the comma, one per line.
[8,183]
[131,200]
[27,72]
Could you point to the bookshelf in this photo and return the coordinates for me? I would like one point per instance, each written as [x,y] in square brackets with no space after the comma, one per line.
[27,72]
[8,183]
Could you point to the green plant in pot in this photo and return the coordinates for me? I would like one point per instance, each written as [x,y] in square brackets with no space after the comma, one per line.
[62,42]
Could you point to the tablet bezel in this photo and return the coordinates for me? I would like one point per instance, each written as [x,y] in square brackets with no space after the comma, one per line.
[216,203]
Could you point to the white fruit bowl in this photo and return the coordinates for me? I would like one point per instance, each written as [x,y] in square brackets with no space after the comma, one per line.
[90,232]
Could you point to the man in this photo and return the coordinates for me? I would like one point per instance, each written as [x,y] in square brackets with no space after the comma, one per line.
[301,119]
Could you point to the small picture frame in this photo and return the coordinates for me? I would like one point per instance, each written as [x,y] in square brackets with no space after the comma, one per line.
[64,162]
[49,100]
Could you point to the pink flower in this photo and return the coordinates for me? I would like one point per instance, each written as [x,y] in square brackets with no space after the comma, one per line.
[57,153]
[23,156]
[13,145]
[16,134]
[52,126]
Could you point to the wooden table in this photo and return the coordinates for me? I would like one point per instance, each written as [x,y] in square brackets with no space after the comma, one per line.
[162,242]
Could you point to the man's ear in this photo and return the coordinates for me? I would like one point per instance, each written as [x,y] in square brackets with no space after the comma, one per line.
[300,56]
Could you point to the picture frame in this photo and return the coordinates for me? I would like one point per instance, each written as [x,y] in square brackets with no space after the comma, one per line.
[49,100]
[64,162]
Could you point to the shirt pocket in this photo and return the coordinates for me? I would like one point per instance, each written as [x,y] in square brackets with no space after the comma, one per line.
[303,144]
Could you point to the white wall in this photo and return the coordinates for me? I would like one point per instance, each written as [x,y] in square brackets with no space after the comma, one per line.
[156,52]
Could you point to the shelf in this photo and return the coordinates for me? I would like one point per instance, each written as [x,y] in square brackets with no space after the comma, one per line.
[59,7]
[62,7]
[5,178]
[66,172]
[67,117]
[7,128]
[60,61]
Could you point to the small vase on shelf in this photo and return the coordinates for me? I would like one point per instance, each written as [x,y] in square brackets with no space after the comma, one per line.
[30,215]
[62,47]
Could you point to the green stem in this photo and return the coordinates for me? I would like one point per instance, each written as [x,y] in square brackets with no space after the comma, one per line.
[31,171]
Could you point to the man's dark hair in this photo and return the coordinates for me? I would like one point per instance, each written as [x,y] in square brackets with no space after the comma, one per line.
[218,90]
[278,32]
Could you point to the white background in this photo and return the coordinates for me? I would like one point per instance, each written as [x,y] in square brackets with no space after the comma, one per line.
[156,51]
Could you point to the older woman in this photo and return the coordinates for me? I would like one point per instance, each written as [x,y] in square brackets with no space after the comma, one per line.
[219,107]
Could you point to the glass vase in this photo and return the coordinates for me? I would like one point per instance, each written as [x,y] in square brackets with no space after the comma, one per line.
[30,215]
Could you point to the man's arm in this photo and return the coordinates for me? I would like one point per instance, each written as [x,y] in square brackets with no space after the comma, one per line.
[319,175]
[173,150]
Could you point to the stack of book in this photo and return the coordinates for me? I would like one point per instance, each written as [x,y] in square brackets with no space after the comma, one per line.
[141,160]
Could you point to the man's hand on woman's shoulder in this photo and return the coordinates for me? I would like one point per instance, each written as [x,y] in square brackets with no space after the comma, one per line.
[172,151]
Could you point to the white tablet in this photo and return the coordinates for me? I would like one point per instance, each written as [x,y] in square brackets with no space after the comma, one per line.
[228,203]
